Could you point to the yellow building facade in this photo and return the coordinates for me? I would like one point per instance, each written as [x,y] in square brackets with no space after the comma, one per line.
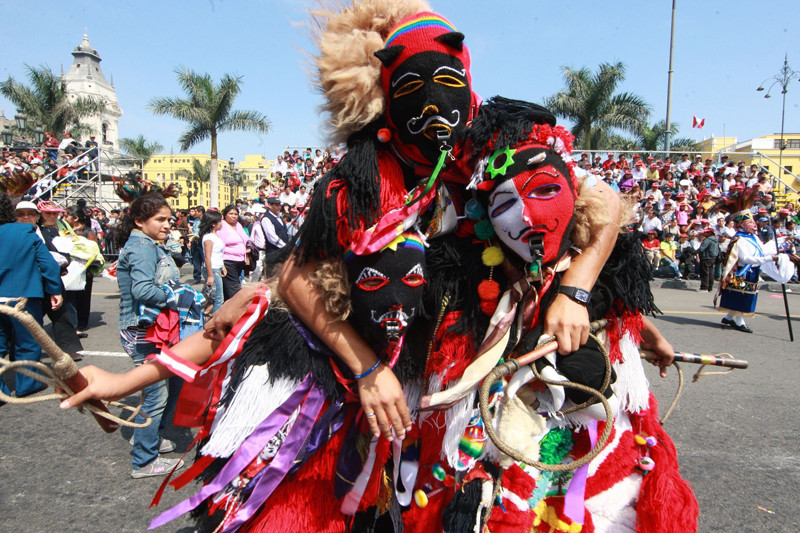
[165,169]
[763,151]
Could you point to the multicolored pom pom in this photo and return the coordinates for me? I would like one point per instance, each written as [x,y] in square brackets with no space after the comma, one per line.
[438,472]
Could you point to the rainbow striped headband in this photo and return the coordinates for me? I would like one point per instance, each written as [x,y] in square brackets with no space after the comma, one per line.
[425,21]
[405,240]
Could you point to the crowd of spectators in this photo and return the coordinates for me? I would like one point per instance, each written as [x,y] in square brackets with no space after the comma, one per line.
[675,207]
[54,162]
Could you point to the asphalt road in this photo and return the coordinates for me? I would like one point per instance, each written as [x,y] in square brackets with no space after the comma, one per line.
[735,434]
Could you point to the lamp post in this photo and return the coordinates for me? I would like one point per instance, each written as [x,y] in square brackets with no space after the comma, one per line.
[22,120]
[7,136]
[231,177]
[38,135]
[782,79]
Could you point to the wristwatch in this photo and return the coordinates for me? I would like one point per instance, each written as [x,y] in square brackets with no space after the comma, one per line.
[579,295]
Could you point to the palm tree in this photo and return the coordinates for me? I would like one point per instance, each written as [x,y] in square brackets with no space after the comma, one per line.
[207,110]
[200,174]
[139,148]
[651,138]
[589,101]
[47,103]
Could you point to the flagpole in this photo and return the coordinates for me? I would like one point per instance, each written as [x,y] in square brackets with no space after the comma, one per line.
[669,81]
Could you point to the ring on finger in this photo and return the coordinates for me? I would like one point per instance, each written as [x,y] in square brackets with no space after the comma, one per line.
[369,415]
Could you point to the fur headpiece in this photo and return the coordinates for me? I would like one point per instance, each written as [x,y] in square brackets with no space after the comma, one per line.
[347,73]
[737,203]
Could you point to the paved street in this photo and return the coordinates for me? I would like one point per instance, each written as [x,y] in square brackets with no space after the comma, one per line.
[735,434]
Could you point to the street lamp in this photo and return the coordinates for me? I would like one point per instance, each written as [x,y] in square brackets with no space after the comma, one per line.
[38,135]
[6,136]
[22,120]
[782,79]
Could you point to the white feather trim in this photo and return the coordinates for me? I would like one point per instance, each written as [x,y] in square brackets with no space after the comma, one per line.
[631,387]
[621,424]
[254,400]
[457,419]
[614,510]
[413,392]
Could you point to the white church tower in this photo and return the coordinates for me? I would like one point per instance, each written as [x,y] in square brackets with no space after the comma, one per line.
[86,78]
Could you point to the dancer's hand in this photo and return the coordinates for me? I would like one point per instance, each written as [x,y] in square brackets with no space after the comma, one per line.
[653,340]
[102,386]
[382,394]
[231,311]
[568,321]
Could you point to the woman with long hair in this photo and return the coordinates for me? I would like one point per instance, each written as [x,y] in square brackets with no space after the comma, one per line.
[144,266]
[235,240]
[213,248]
[78,219]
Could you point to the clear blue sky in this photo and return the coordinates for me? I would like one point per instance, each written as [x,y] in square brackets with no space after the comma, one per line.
[723,51]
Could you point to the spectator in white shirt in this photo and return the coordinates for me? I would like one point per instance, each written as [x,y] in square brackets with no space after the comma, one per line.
[651,223]
[287,197]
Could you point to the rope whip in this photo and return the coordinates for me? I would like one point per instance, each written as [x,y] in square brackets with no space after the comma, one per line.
[64,375]
[546,345]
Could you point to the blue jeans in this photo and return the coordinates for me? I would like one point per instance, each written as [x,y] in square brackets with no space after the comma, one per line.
[159,404]
[218,296]
[197,260]
[25,347]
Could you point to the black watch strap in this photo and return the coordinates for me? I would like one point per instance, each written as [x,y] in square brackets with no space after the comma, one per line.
[577,294]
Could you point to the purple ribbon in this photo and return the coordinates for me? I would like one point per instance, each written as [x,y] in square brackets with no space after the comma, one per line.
[575,500]
[248,451]
[283,461]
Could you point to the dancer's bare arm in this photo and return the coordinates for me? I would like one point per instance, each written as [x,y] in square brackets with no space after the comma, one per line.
[565,318]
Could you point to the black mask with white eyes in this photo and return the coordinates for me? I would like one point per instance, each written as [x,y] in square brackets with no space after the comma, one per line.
[386,290]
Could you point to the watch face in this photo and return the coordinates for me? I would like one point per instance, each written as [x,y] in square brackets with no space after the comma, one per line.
[582,296]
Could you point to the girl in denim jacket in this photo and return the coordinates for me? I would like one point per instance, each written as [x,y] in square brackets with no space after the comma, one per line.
[144,266]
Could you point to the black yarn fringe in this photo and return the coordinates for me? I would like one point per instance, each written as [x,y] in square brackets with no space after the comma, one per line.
[460,513]
[626,277]
[359,170]
[504,122]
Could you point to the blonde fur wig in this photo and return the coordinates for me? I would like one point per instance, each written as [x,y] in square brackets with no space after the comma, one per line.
[346,71]
[591,214]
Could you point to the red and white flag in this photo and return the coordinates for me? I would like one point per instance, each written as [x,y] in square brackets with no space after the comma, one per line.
[698,123]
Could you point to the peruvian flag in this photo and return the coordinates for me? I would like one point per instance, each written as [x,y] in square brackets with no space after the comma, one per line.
[698,123]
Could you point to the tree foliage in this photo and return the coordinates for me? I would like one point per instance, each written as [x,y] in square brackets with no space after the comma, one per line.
[139,148]
[208,111]
[46,102]
[589,100]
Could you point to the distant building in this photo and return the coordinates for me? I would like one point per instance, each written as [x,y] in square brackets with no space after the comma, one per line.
[763,151]
[165,169]
[85,78]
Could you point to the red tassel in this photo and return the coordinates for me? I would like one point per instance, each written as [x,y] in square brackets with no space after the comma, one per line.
[466,228]
[666,501]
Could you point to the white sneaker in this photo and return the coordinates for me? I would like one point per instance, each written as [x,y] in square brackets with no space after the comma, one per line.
[165,446]
[160,467]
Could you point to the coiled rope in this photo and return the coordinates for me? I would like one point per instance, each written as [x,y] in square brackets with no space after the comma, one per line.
[512,366]
[64,369]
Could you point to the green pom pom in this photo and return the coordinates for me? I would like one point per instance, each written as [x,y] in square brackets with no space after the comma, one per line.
[484,230]
[555,446]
